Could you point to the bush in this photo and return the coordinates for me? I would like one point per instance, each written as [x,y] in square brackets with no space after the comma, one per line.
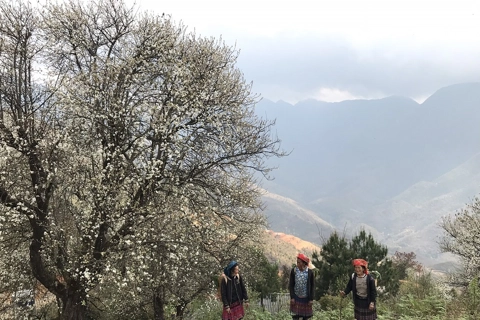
[328,302]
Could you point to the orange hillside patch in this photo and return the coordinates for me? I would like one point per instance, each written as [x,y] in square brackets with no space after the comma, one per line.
[299,244]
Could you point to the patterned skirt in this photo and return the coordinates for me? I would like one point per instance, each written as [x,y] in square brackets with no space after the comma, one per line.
[301,308]
[236,312]
[362,312]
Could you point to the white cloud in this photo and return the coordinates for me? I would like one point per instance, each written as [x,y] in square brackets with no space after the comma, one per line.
[335,95]
[359,21]
[348,48]
[420,99]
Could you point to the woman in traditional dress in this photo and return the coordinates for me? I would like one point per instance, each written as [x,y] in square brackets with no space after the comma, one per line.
[234,294]
[363,290]
[302,289]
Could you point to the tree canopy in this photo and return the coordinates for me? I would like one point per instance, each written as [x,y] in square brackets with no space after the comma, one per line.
[129,151]
[461,238]
[334,263]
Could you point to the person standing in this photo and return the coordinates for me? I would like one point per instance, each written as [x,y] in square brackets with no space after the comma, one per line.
[364,291]
[302,289]
[233,292]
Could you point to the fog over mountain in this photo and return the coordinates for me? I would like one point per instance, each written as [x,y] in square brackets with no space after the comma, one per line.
[392,166]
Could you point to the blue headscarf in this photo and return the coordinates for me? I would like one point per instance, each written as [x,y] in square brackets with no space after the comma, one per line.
[229,268]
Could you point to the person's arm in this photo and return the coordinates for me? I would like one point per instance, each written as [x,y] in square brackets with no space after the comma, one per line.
[311,280]
[348,288]
[373,290]
[291,284]
[224,292]
[244,290]
[372,293]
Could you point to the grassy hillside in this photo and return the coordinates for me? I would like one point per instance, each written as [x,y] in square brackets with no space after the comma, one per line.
[283,248]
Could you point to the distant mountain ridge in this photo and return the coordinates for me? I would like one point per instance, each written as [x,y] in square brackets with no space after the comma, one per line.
[296,219]
[420,209]
[372,163]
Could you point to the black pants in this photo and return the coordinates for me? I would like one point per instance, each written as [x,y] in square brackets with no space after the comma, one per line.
[299,317]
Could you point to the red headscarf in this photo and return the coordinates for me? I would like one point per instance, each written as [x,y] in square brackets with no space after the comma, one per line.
[361,262]
[303,257]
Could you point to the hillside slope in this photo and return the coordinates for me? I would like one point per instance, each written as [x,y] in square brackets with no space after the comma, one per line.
[283,248]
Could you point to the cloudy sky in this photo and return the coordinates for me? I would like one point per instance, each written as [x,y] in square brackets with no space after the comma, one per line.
[335,50]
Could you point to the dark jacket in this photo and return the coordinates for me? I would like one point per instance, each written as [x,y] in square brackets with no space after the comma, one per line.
[371,289]
[227,288]
[310,285]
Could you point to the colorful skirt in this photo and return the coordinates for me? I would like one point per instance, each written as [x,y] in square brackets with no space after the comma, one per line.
[362,312]
[301,308]
[236,312]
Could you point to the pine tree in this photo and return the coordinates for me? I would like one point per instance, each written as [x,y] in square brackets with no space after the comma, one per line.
[264,277]
[364,246]
[333,264]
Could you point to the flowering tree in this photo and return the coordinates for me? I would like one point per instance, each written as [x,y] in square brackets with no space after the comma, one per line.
[193,246]
[126,143]
[461,238]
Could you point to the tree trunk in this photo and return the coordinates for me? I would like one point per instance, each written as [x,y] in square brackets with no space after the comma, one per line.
[158,305]
[180,311]
[74,307]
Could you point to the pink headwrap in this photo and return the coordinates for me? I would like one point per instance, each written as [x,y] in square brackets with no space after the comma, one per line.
[361,262]
[303,257]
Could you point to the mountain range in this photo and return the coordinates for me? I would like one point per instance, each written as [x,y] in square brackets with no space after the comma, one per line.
[391,166]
